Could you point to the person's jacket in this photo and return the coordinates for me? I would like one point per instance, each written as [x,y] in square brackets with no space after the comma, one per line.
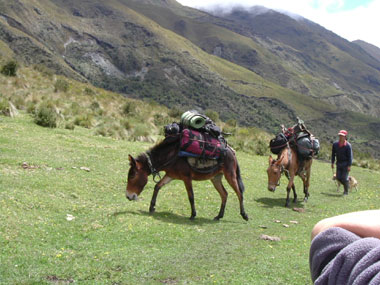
[342,154]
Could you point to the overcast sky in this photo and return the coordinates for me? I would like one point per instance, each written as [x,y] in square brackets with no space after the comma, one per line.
[350,19]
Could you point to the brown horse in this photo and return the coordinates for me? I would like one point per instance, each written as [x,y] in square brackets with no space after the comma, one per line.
[288,162]
[164,157]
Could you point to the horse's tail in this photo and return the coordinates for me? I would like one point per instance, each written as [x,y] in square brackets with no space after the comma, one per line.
[239,180]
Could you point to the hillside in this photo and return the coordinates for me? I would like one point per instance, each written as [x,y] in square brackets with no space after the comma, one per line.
[181,57]
[374,51]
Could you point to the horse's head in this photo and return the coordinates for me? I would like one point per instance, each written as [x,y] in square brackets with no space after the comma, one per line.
[137,178]
[274,173]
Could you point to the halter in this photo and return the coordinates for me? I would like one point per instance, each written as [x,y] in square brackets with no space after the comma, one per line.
[282,168]
[153,170]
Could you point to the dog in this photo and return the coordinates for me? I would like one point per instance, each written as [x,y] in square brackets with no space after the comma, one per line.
[353,183]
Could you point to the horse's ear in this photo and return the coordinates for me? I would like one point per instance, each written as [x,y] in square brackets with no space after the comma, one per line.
[270,160]
[279,160]
[132,161]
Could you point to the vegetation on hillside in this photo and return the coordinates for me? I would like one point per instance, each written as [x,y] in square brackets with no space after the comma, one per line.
[55,101]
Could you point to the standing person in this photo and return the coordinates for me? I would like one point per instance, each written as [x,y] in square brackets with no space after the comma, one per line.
[342,151]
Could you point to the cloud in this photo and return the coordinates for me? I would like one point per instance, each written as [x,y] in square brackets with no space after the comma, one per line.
[361,22]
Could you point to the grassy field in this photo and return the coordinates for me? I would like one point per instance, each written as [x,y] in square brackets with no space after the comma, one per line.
[62,224]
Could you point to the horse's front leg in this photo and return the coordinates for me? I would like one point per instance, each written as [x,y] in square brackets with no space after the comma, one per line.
[165,180]
[190,194]
[290,186]
[293,188]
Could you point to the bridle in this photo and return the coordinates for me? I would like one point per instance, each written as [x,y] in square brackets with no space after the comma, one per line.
[152,169]
[282,168]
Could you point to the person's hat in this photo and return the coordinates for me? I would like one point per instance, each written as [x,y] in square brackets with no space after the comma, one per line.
[343,133]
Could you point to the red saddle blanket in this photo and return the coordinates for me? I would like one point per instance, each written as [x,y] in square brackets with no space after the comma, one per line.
[197,144]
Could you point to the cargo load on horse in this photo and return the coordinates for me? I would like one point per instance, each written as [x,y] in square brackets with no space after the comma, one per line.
[200,137]
[297,137]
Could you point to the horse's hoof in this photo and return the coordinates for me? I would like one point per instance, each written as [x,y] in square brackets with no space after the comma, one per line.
[295,200]
[305,200]
[152,210]
[287,205]
[217,218]
[245,216]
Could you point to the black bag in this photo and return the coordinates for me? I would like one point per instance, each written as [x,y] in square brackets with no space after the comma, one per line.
[307,146]
[172,129]
[278,143]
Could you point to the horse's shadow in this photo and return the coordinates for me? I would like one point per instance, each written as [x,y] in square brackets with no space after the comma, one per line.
[336,194]
[169,217]
[278,202]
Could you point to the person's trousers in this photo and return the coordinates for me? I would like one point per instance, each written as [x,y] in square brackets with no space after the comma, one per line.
[342,177]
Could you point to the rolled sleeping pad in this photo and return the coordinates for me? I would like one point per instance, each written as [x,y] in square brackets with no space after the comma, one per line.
[185,118]
[193,120]
[197,122]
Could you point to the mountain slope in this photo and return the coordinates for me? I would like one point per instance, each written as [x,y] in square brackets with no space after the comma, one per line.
[183,57]
[374,51]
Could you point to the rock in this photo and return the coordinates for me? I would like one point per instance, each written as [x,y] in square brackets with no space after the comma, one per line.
[85,169]
[299,210]
[266,237]
[70,217]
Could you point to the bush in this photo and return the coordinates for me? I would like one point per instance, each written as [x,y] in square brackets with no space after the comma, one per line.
[44,70]
[128,107]
[69,126]
[175,112]
[4,107]
[10,68]
[46,116]
[89,91]
[212,115]
[61,85]
[84,120]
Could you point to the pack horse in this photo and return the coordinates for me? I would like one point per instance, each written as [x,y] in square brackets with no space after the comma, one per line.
[288,163]
[295,148]
[164,157]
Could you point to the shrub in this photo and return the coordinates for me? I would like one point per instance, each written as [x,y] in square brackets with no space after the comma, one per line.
[10,68]
[126,124]
[69,126]
[175,112]
[61,85]
[4,107]
[46,116]
[31,108]
[212,115]
[44,70]
[89,91]
[128,107]
[84,120]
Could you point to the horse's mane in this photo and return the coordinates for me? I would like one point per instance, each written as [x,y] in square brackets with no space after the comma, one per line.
[163,147]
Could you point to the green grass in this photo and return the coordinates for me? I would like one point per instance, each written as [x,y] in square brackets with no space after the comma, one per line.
[113,241]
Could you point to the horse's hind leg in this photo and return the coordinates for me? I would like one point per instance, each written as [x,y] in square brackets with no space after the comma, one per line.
[190,194]
[217,182]
[233,181]
[294,193]
[165,180]
[306,183]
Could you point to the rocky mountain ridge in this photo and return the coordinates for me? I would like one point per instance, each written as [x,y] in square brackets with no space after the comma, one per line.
[238,64]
